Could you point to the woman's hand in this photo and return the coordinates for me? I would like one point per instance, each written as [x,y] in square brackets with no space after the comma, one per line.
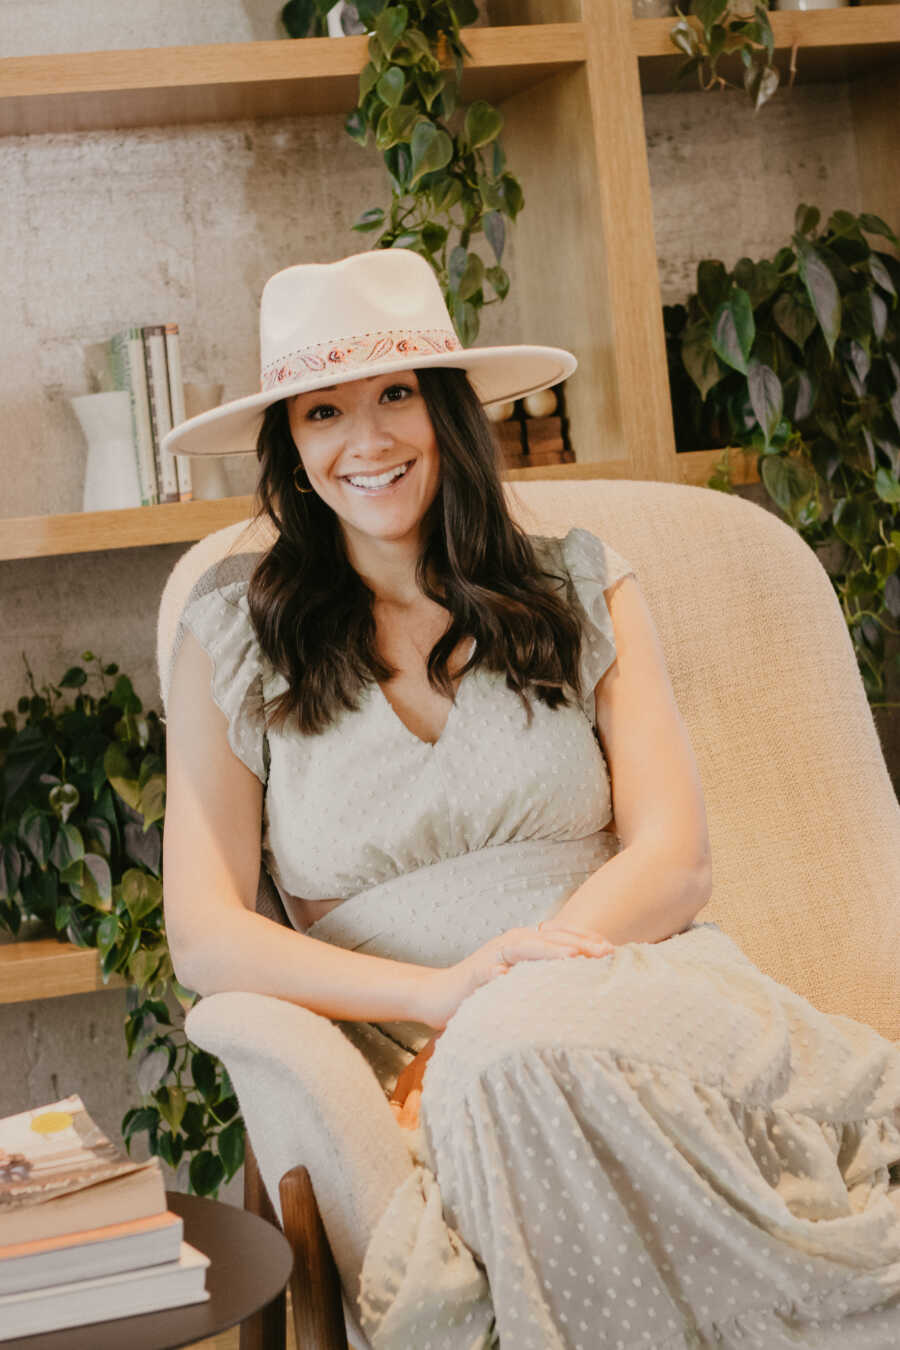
[448,988]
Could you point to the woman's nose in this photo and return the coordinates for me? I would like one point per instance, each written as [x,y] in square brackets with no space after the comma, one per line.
[368,432]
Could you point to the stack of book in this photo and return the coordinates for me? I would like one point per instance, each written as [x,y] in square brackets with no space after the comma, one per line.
[146,363]
[85,1235]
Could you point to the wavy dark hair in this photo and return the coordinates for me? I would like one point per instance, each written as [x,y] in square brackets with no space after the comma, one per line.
[312,612]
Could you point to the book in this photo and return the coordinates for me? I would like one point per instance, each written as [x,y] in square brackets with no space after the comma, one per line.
[60,1174]
[176,401]
[125,355]
[105,1297]
[92,1252]
[154,339]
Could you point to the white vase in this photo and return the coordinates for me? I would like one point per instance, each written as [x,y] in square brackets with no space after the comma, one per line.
[209,480]
[110,477]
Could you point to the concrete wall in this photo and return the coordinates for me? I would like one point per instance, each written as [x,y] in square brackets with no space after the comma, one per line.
[186,224]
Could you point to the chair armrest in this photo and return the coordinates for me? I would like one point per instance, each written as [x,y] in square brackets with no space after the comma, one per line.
[309,1097]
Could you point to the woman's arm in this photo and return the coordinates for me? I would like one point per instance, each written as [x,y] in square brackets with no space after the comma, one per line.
[211,857]
[662,877]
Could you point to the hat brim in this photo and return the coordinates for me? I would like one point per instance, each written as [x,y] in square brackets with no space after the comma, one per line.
[497,374]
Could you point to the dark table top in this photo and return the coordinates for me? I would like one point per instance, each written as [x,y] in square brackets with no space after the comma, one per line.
[250,1263]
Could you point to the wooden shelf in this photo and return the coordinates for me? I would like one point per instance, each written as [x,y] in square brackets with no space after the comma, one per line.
[161,86]
[94,531]
[46,968]
[832,45]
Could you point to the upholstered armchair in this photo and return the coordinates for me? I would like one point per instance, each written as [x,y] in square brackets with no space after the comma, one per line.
[804,825]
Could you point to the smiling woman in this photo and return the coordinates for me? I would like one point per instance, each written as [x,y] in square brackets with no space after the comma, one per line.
[422,719]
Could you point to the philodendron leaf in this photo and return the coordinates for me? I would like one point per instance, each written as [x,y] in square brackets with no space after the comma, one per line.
[143,847]
[806,218]
[231,1147]
[119,772]
[396,126]
[206,1172]
[789,482]
[153,800]
[495,228]
[713,284]
[854,521]
[369,220]
[880,275]
[499,280]
[34,833]
[390,86]
[795,319]
[822,290]
[96,882]
[700,361]
[63,799]
[431,149]
[482,125]
[766,398]
[472,277]
[390,25]
[887,485]
[141,893]
[733,330]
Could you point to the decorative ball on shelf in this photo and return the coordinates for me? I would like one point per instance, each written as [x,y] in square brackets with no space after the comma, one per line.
[542,404]
[499,412]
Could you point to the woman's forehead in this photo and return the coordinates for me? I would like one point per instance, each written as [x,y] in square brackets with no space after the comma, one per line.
[386,376]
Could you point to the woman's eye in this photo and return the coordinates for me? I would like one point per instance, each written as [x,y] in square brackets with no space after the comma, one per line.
[326,408]
[399,389]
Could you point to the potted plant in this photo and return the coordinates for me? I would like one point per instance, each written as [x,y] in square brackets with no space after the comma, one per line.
[724,28]
[447,169]
[83,792]
[796,360]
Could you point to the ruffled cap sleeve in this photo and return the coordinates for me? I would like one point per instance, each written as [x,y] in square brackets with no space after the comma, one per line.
[220,621]
[592,567]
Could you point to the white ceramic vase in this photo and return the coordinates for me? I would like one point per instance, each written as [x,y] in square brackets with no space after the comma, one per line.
[209,480]
[110,477]
[813,4]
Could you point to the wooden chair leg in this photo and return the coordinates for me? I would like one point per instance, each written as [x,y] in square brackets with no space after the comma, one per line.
[266,1329]
[315,1282]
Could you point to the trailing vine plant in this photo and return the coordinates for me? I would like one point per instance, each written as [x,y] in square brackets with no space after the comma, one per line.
[796,360]
[447,169]
[83,795]
[724,27]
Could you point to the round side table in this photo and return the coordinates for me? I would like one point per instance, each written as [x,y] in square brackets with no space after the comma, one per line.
[250,1262]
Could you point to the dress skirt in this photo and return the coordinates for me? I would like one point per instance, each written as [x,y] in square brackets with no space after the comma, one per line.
[660,1149]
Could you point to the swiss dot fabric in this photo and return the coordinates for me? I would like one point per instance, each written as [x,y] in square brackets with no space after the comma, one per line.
[662,1149]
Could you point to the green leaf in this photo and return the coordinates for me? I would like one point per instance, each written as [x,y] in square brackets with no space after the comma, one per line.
[482,125]
[446,194]
[206,1172]
[63,799]
[795,319]
[143,847]
[139,1118]
[389,26]
[512,191]
[356,126]
[789,482]
[887,485]
[368,78]
[806,218]
[885,560]
[699,358]
[822,291]
[766,398]
[713,284]
[34,833]
[854,521]
[118,770]
[465,320]
[98,835]
[733,330]
[74,678]
[396,126]
[68,847]
[107,933]
[880,275]
[495,230]
[153,800]
[231,1147]
[391,85]
[431,149]
[97,881]
[875,225]
[172,1102]
[472,277]
[142,967]
[684,37]
[10,870]
[140,892]
[499,280]
[203,1071]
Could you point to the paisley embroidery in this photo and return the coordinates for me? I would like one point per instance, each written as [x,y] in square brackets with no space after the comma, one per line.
[356,353]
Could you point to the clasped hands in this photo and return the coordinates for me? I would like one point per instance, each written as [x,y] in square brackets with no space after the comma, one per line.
[495,958]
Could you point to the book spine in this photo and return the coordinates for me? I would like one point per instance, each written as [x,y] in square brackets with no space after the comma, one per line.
[176,399]
[146,462]
[154,340]
[122,379]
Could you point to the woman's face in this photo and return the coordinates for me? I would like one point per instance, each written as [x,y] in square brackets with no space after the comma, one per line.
[370,452]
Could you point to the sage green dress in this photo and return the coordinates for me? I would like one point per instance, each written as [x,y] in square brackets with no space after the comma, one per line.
[659,1149]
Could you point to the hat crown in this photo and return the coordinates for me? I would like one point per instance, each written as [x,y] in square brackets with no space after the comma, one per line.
[314,305]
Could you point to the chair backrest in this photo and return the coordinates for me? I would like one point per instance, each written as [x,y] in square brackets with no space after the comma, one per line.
[804,824]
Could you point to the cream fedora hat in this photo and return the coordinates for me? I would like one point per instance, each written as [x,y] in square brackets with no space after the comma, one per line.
[322,324]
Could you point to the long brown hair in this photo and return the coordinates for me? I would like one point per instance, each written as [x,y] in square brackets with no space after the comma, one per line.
[313,613]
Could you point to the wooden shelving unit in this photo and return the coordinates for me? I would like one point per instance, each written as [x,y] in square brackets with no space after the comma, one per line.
[93,531]
[45,968]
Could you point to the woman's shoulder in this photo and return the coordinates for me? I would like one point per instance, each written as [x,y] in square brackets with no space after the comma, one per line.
[583,558]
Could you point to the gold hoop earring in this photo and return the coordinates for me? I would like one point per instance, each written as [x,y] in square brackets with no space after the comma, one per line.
[299,469]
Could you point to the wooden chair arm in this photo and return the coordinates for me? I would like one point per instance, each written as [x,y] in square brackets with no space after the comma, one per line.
[315,1283]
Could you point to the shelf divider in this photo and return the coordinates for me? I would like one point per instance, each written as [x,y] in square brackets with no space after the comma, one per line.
[45,968]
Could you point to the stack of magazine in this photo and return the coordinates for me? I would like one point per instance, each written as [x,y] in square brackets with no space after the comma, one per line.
[146,363]
[85,1235]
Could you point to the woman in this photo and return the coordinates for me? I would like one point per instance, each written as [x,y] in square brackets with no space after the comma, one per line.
[628,1123]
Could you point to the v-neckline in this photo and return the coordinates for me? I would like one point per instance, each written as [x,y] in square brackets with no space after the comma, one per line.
[428,745]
